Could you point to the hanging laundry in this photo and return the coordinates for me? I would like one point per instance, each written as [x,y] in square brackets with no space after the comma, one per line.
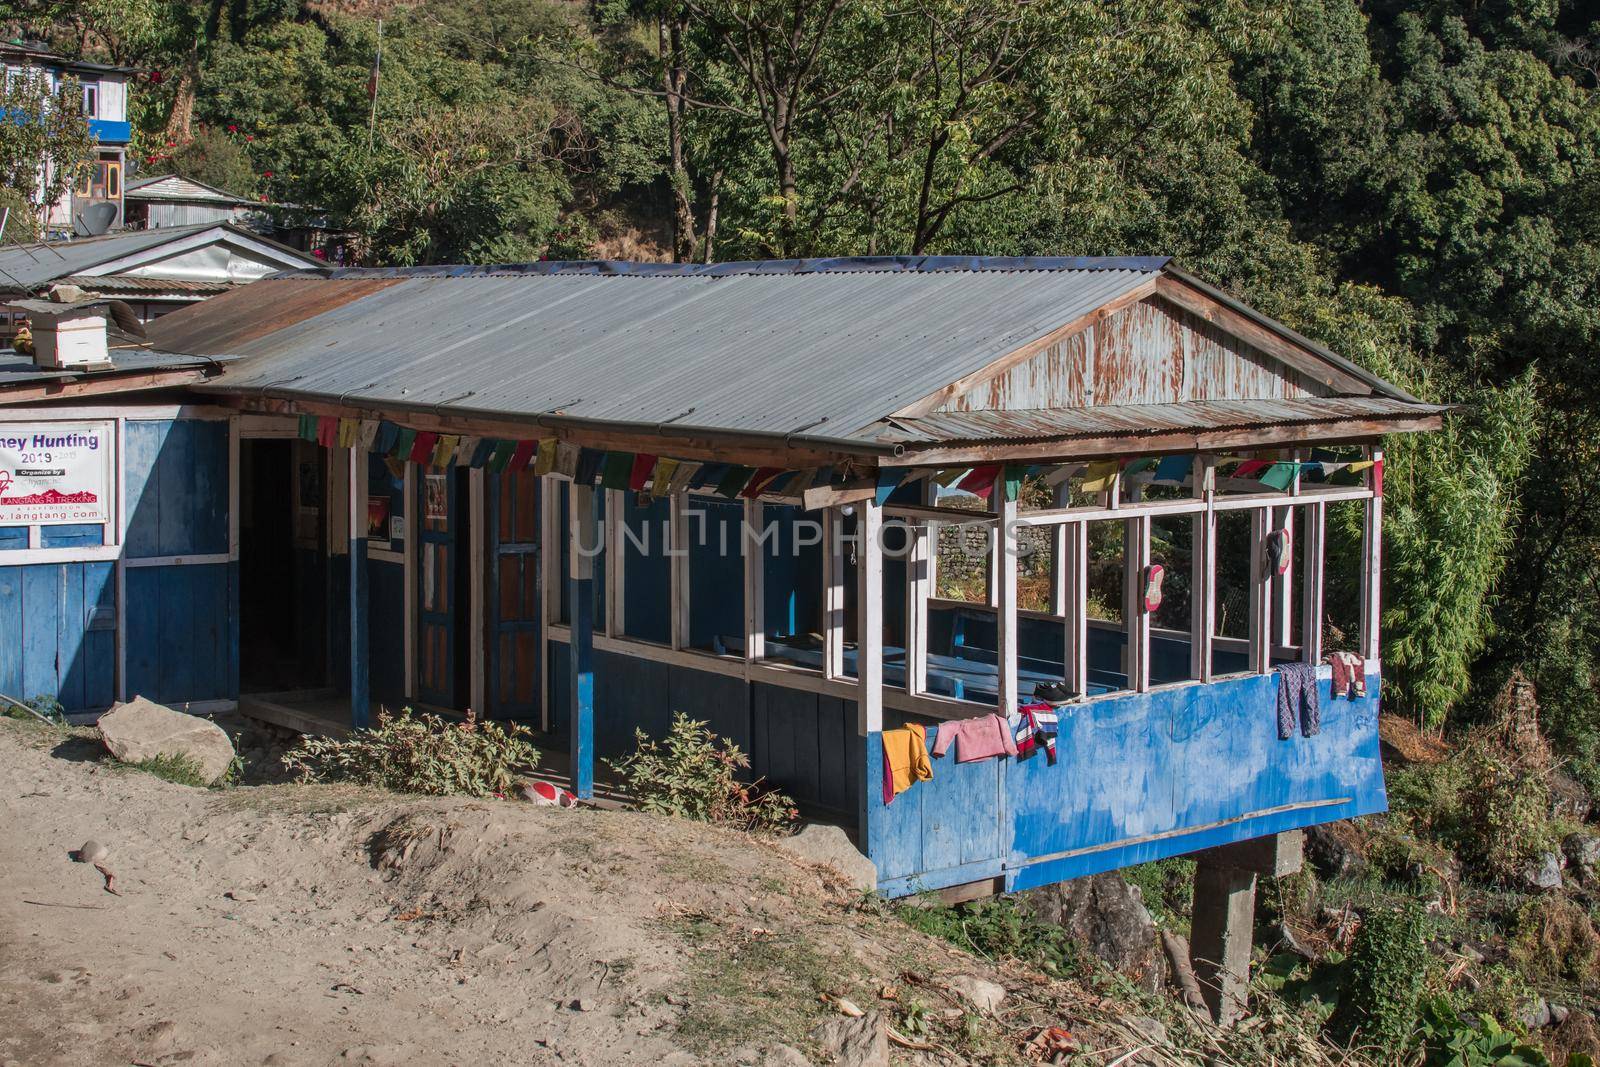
[734,479]
[1349,674]
[1098,477]
[1173,470]
[1280,551]
[1280,476]
[984,737]
[661,477]
[368,434]
[1297,697]
[422,446]
[615,470]
[905,760]
[444,453]
[589,463]
[567,455]
[1036,727]
[639,474]
[545,459]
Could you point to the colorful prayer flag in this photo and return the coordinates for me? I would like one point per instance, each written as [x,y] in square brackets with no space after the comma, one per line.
[384,440]
[1249,467]
[422,446]
[1013,479]
[367,434]
[979,481]
[682,476]
[1099,476]
[661,476]
[889,479]
[327,430]
[708,474]
[522,455]
[348,428]
[589,461]
[1280,476]
[759,481]
[639,475]
[566,459]
[733,480]
[1139,466]
[500,458]
[1174,469]
[482,451]
[616,469]
[404,439]
[545,460]
[445,450]
[308,427]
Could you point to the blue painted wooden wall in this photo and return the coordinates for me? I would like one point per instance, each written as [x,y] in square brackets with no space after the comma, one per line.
[56,643]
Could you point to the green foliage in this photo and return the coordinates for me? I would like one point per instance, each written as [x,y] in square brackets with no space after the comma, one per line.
[693,774]
[176,768]
[420,753]
[1387,967]
[1555,940]
[999,930]
[41,707]
[45,142]
[1450,1040]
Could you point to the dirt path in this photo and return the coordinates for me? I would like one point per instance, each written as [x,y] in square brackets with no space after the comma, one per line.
[255,928]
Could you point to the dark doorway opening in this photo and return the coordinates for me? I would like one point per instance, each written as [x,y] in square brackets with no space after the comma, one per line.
[283,566]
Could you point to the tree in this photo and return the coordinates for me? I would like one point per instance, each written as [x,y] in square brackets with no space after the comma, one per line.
[45,142]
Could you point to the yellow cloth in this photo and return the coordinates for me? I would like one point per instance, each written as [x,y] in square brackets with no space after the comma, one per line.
[1097,477]
[349,429]
[544,460]
[444,451]
[907,754]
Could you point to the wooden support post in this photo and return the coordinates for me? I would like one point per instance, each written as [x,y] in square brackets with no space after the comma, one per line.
[1283,584]
[869,618]
[919,586]
[614,563]
[1221,925]
[1260,593]
[678,553]
[360,692]
[1076,592]
[751,545]
[1060,569]
[580,647]
[833,594]
[1372,562]
[1136,545]
[1005,558]
[1315,550]
[477,591]
[412,559]
[1203,573]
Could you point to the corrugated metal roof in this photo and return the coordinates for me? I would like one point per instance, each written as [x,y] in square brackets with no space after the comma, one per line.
[29,266]
[823,351]
[18,369]
[954,427]
[130,283]
[165,187]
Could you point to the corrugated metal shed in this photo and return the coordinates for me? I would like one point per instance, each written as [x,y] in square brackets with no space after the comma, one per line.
[954,427]
[177,188]
[825,352]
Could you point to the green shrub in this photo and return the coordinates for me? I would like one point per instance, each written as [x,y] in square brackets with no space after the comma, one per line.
[999,930]
[44,706]
[1556,940]
[692,776]
[1450,1040]
[420,753]
[176,768]
[1384,978]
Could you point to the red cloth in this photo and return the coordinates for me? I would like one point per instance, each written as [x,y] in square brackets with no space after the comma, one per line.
[759,481]
[980,480]
[1249,467]
[522,455]
[422,447]
[982,738]
[639,477]
[327,431]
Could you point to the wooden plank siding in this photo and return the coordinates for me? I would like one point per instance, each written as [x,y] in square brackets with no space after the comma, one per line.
[1151,352]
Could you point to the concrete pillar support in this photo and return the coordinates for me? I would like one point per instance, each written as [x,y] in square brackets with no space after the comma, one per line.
[1224,914]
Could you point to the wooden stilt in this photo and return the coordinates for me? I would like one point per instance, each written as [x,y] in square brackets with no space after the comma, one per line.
[580,649]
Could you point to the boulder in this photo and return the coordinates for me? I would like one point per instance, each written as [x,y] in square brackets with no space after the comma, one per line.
[982,995]
[1583,855]
[855,1042]
[1108,916]
[142,729]
[1544,872]
[830,845]
[1336,849]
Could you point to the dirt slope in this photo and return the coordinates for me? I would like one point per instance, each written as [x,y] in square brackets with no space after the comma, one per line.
[310,925]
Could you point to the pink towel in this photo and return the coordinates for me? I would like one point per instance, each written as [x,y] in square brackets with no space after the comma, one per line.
[982,738]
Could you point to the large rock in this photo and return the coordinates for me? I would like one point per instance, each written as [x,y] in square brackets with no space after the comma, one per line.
[1336,849]
[980,993]
[142,729]
[830,845]
[1108,916]
[860,1042]
[1544,872]
[1583,855]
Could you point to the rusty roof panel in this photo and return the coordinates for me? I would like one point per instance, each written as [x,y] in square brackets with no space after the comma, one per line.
[255,311]
[959,427]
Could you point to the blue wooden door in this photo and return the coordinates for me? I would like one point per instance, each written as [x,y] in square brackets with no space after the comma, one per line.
[437,546]
[514,601]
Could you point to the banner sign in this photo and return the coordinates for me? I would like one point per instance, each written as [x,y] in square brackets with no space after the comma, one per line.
[55,472]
